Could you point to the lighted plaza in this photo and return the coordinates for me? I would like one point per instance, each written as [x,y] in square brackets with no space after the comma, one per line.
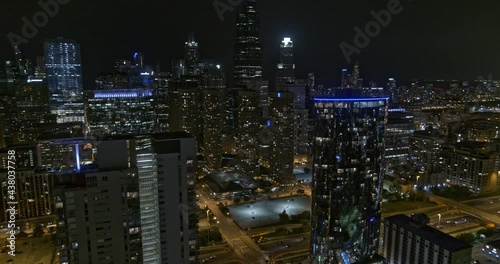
[266,212]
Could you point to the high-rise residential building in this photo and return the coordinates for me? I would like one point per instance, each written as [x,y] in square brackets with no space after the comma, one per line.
[128,75]
[426,151]
[474,165]
[64,77]
[184,96]
[397,138]
[247,132]
[63,154]
[177,168]
[186,90]
[213,126]
[120,111]
[301,115]
[162,107]
[282,121]
[98,217]
[33,194]
[32,112]
[394,92]
[191,56]
[348,153]
[286,68]
[410,240]
[212,75]
[356,80]
[7,103]
[26,156]
[346,79]
[136,204]
[178,68]
[248,51]
[116,80]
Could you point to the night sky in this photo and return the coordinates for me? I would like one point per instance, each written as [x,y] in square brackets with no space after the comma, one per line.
[428,39]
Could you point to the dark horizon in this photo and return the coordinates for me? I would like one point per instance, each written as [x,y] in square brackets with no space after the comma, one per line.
[421,42]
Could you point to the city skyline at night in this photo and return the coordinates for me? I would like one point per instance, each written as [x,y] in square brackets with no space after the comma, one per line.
[250,132]
[407,55]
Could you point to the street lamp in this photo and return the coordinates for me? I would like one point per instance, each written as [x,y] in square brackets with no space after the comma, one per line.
[439,219]
[208,233]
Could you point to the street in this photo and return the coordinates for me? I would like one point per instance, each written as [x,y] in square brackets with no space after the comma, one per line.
[243,246]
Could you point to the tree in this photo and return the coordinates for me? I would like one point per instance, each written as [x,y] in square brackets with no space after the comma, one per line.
[237,200]
[487,232]
[467,237]
[38,231]
[284,217]
[22,234]
[393,188]
[435,190]
[246,198]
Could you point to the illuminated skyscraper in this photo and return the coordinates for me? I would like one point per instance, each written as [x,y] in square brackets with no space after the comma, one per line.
[282,117]
[212,75]
[348,152]
[286,68]
[161,101]
[120,111]
[247,68]
[64,76]
[247,131]
[185,103]
[32,109]
[346,79]
[213,126]
[396,94]
[357,81]
[178,68]
[7,103]
[191,56]
[248,51]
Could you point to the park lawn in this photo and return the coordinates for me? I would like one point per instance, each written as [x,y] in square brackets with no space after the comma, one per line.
[402,206]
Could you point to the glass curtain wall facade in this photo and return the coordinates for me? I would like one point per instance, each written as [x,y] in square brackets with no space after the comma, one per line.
[64,76]
[348,153]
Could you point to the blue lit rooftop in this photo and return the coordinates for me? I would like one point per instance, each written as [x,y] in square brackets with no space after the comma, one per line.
[337,99]
[122,93]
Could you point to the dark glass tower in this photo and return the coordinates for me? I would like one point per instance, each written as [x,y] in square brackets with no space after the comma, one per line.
[348,151]
[248,52]
[247,77]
